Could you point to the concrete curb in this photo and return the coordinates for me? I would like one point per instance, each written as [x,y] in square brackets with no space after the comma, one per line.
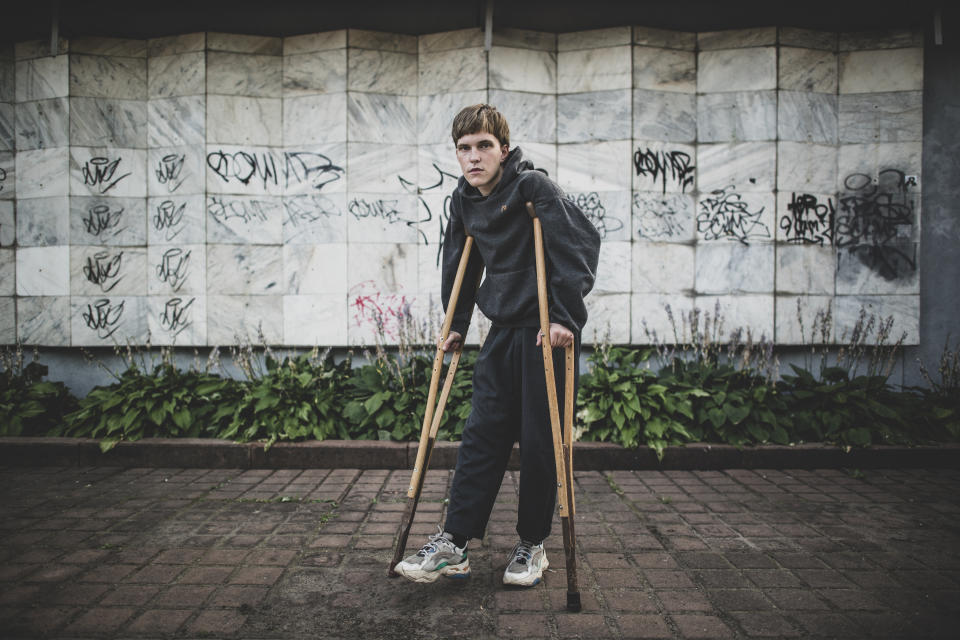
[366,454]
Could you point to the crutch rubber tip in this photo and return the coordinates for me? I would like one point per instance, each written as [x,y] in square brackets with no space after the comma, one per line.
[573,602]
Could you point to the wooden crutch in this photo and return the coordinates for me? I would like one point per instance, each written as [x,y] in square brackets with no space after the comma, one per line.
[562,444]
[432,415]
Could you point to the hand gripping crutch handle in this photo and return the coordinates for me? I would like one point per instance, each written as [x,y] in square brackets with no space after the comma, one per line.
[562,440]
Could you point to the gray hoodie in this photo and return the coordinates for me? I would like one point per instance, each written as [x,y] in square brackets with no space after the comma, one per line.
[503,243]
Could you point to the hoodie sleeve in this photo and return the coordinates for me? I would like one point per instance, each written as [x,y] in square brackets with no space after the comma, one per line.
[454,238]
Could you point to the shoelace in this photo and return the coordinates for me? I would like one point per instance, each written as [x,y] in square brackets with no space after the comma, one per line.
[522,553]
[432,545]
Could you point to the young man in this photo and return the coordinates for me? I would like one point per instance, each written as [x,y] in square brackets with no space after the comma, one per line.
[509,389]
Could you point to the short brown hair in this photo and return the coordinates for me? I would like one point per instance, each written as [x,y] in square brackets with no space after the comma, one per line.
[481,118]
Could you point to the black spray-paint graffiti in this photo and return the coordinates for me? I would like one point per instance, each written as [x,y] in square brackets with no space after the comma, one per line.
[380,208]
[169,169]
[168,219]
[175,317]
[172,269]
[293,167]
[593,208]
[103,317]
[3,179]
[101,173]
[412,188]
[100,220]
[876,222]
[725,214]
[658,218]
[306,210]
[243,211]
[103,270]
[809,221]
[664,167]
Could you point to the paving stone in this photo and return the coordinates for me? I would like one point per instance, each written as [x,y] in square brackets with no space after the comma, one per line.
[643,626]
[769,625]
[701,626]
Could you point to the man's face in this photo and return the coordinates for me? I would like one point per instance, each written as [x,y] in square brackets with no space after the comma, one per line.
[480,155]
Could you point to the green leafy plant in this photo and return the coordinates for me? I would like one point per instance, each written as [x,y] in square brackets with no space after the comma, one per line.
[30,405]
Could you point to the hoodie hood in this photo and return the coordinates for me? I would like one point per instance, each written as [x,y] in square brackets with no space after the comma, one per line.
[512,166]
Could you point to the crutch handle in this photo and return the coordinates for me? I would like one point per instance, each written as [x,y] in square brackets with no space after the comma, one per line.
[531,210]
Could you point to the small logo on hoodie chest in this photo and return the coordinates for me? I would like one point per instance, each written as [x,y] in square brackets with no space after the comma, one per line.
[503,208]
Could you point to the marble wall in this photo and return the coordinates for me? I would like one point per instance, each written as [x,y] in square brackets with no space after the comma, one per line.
[205,188]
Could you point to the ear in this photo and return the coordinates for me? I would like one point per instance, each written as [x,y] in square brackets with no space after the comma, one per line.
[504,151]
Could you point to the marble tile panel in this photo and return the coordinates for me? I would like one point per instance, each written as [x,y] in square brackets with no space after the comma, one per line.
[8,175]
[594,166]
[728,216]
[807,117]
[170,45]
[806,269]
[8,316]
[667,167]
[171,76]
[315,218]
[244,120]
[608,318]
[435,113]
[42,124]
[43,271]
[871,159]
[593,116]
[240,74]
[108,77]
[98,171]
[737,38]
[312,169]
[515,69]
[313,73]
[881,70]
[594,38]
[179,320]
[244,269]
[877,266]
[656,318]
[663,217]
[44,320]
[104,122]
[8,83]
[806,218]
[428,269]
[667,116]
[803,319]
[806,167]
[374,168]
[525,39]
[737,116]
[750,166]
[42,78]
[387,268]
[594,69]
[28,49]
[381,218]
[240,43]
[905,310]
[313,42]
[543,155]
[244,220]
[456,70]
[373,117]
[175,171]
[381,72]
[381,41]
[881,39]
[315,320]
[807,70]
[242,318]
[176,270]
[317,119]
[108,221]
[40,173]
[8,226]
[269,171]
[100,46]
[175,122]
[609,211]
[753,313]
[664,38]
[532,116]
[733,267]
[8,136]
[881,117]
[752,69]
[107,271]
[807,38]
[613,270]
[659,267]
[176,219]
[447,40]
[40,222]
[664,69]
[8,262]
[437,169]
[311,269]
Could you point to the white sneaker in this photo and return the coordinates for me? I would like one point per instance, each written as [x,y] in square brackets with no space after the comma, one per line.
[528,561]
[439,557]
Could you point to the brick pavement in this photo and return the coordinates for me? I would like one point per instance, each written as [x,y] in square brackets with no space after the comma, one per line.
[154,553]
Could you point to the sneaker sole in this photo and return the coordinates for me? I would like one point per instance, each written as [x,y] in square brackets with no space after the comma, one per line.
[530,580]
[457,571]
